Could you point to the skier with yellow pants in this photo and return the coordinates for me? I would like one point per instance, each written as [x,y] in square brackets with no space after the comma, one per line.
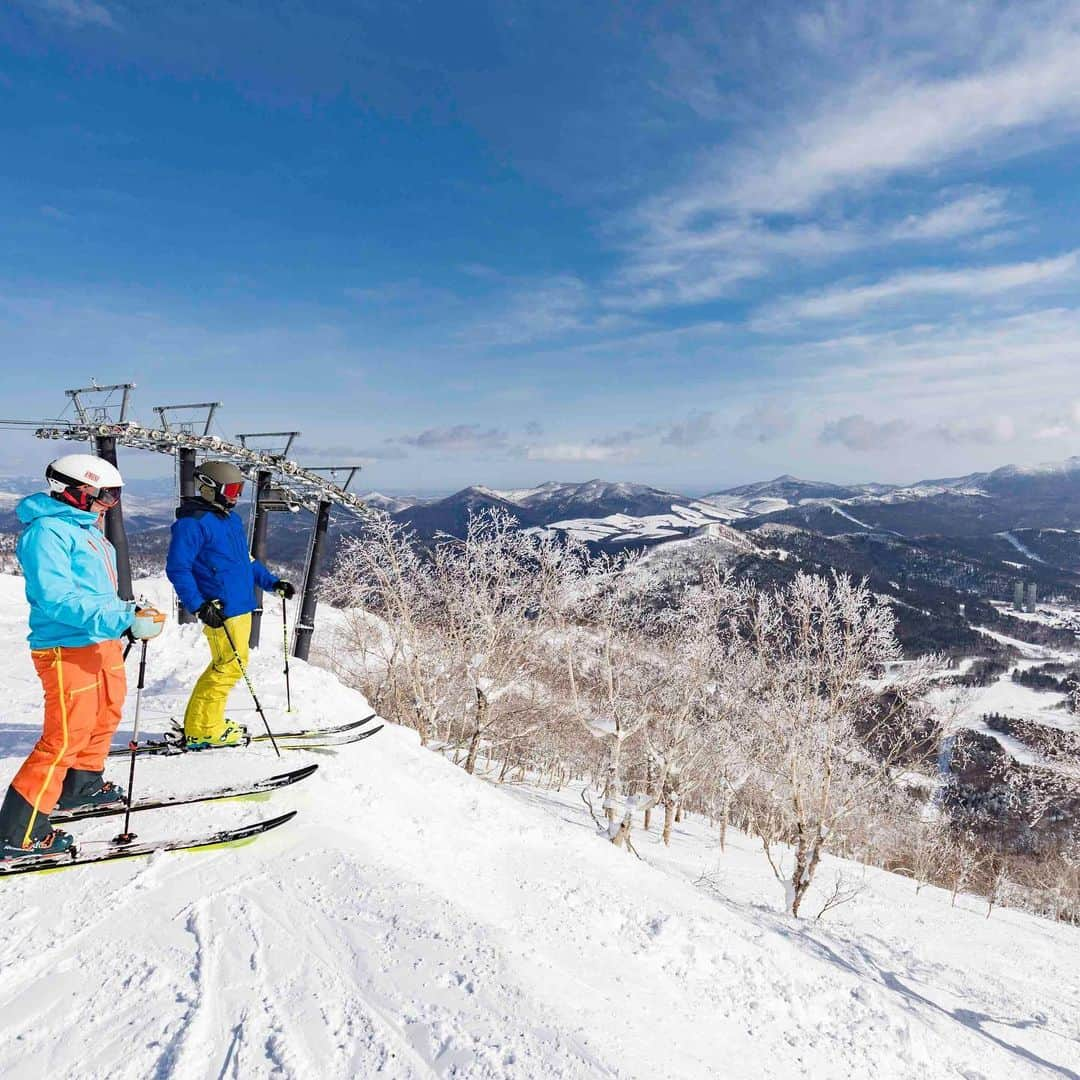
[215,578]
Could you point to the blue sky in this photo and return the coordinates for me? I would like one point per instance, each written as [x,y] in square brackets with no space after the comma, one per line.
[500,242]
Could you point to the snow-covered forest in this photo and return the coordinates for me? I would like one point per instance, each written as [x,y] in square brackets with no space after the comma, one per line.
[788,712]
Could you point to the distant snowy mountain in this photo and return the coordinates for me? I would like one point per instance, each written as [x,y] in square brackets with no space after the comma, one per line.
[451,515]
[596,498]
[388,504]
[543,505]
[790,489]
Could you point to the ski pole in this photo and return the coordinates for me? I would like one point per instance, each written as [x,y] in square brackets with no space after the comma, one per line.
[127,836]
[243,671]
[285,650]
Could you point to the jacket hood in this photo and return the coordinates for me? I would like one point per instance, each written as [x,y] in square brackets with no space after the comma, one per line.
[194,506]
[40,505]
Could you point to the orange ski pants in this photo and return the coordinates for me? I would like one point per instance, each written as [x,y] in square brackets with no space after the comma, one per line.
[84,699]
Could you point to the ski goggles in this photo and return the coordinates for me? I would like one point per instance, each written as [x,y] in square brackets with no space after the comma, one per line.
[233,491]
[108,497]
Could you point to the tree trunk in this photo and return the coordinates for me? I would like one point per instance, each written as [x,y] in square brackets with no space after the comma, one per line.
[474,742]
[669,818]
[725,810]
[611,782]
[807,857]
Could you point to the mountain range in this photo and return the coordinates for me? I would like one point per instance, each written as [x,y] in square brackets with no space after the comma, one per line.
[611,514]
[938,547]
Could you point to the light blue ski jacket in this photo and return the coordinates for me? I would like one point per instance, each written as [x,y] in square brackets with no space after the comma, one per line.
[70,571]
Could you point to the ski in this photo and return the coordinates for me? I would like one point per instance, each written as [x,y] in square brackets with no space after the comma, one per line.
[317,732]
[32,864]
[172,744]
[232,791]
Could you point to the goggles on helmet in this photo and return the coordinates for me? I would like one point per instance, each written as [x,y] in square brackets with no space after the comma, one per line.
[84,497]
[232,491]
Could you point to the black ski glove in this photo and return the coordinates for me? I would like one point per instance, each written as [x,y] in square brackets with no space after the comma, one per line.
[212,614]
[285,589]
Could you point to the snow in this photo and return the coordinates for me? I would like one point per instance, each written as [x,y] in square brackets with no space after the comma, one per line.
[844,514]
[1021,547]
[417,922]
[682,520]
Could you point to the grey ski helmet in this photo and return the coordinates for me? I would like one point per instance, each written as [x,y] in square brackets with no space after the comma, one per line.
[220,483]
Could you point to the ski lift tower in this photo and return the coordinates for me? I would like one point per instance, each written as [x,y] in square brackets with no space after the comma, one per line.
[263,502]
[98,410]
[196,414]
[281,484]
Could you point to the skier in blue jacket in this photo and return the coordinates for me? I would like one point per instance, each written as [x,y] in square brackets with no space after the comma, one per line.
[215,578]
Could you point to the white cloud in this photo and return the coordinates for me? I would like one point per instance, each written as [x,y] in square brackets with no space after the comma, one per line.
[532,311]
[78,12]
[765,422]
[1000,429]
[892,91]
[880,127]
[861,434]
[842,302]
[1059,425]
[971,213]
[570,452]
[696,429]
[458,438]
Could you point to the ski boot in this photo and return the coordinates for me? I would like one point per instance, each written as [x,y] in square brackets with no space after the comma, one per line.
[55,842]
[86,787]
[230,735]
[104,794]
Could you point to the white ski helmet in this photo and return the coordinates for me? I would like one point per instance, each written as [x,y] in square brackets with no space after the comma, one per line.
[82,479]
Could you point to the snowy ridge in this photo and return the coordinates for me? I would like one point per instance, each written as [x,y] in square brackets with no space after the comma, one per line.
[416,922]
[683,520]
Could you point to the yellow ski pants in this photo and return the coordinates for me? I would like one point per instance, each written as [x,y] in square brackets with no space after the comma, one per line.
[205,714]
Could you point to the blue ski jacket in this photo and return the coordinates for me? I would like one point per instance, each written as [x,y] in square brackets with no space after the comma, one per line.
[209,560]
[70,572]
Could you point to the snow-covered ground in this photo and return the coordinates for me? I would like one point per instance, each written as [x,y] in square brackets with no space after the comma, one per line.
[624,528]
[416,922]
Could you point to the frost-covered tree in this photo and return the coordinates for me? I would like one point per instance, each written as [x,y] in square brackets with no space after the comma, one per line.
[499,590]
[821,656]
[394,644]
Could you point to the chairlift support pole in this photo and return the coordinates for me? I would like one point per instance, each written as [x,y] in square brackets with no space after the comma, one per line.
[291,485]
[186,462]
[258,545]
[115,533]
[305,624]
[105,447]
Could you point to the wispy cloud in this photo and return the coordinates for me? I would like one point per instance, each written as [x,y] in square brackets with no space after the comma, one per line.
[846,301]
[765,422]
[862,434]
[347,454]
[566,452]
[460,438]
[697,428]
[76,12]
[894,92]
[971,213]
[886,125]
[1001,429]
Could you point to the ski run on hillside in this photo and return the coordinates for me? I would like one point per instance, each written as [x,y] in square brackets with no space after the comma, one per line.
[412,921]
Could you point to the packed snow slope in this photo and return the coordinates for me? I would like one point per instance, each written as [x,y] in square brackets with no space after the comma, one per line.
[416,922]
